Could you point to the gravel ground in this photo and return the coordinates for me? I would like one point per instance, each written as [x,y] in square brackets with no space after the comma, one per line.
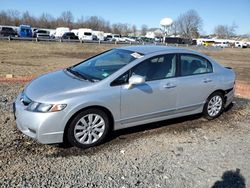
[185,152]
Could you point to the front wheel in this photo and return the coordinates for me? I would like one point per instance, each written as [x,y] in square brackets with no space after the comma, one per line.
[89,128]
[214,106]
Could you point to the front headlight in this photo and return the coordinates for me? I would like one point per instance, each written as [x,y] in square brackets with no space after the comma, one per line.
[41,107]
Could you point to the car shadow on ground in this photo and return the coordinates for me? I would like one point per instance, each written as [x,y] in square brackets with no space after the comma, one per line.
[231,179]
[130,134]
[170,124]
[181,124]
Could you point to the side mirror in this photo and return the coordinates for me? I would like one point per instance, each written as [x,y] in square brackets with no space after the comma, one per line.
[135,80]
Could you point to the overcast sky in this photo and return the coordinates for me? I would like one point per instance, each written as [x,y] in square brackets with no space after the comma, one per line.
[138,12]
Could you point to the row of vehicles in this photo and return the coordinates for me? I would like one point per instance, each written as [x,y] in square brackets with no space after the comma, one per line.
[82,34]
[223,43]
[85,34]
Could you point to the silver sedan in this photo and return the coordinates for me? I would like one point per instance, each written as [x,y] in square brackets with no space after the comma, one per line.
[121,88]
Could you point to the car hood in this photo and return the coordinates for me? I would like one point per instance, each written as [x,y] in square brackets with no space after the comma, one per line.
[56,86]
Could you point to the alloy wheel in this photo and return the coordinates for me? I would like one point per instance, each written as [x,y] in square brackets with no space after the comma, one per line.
[89,129]
[214,105]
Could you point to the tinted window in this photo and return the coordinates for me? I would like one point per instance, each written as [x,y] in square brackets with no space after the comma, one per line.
[156,68]
[41,31]
[70,34]
[193,64]
[7,29]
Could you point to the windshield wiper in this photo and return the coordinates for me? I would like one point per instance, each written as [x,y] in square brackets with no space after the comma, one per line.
[78,74]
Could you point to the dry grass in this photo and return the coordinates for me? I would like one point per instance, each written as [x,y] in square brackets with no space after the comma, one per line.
[237,58]
[30,58]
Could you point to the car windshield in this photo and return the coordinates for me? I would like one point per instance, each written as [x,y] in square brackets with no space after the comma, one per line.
[103,65]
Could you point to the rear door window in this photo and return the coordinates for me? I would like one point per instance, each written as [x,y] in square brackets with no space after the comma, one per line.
[194,64]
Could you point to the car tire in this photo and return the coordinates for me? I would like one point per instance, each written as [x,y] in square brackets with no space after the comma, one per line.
[214,106]
[89,128]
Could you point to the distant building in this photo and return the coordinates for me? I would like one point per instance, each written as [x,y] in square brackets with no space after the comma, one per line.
[154,32]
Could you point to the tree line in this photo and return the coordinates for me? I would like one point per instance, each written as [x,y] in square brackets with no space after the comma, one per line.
[187,25]
[66,19]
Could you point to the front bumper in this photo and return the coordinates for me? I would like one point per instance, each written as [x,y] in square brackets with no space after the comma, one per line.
[46,128]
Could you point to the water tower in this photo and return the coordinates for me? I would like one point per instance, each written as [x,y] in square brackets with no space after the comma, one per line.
[166,24]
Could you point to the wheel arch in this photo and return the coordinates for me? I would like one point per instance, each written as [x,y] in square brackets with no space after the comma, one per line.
[107,111]
[223,92]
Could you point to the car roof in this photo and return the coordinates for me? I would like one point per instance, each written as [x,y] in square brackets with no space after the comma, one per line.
[148,49]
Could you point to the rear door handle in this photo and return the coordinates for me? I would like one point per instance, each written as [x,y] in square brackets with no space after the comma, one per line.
[207,80]
[169,85]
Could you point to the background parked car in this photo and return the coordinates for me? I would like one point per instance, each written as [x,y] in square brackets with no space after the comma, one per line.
[240,44]
[108,38]
[85,34]
[40,33]
[118,38]
[129,39]
[95,37]
[60,31]
[7,31]
[24,31]
[75,31]
[69,35]
[221,44]
[99,34]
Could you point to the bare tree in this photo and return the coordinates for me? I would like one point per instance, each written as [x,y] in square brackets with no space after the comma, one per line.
[28,19]
[189,24]
[174,28]
[134,30]
[126,29]
[122,29]
[14,17]
[66,19]
[46,21]
[225,31]
[144,29]
[4,19]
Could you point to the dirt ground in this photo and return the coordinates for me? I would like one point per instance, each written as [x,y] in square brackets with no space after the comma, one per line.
[31,58]
[184,152]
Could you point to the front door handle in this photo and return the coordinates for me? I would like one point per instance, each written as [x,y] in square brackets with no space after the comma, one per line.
[207,80]
[169,85]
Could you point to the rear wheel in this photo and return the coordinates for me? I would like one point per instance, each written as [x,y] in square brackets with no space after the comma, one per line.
[214,106]
[89,128]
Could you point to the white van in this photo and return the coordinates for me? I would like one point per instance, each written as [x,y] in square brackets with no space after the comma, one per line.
[99,34]
[60,31]
[85,34]
[240,44]
[75,31]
